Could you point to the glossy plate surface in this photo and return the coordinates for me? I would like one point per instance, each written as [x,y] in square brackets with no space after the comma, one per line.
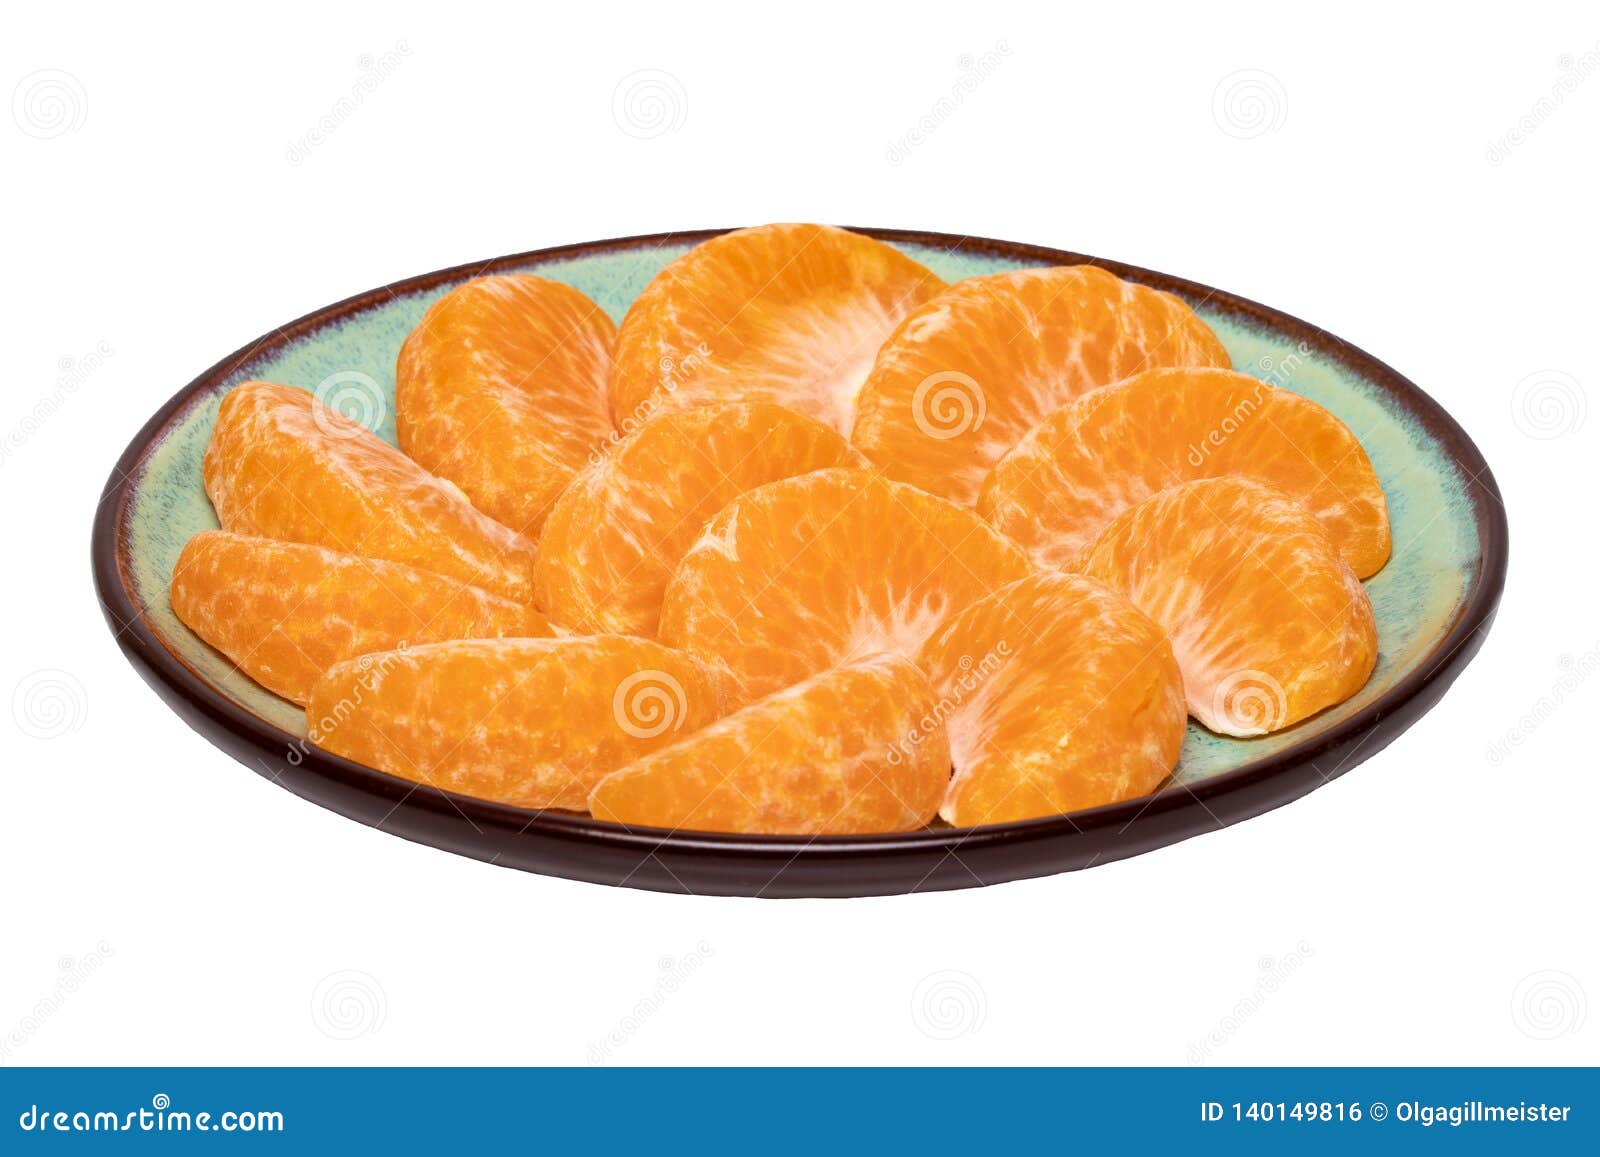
[1434,602]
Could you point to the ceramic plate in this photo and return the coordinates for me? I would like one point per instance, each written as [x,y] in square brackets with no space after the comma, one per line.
[1434,602]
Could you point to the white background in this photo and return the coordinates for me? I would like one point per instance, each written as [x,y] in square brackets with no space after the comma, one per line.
[1433,906]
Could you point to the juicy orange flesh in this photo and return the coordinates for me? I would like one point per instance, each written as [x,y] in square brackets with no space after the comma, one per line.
[772,465]
[280,464]
[1058,695]
[1092,459]
[531,722]
[501,388]
[285,612]
[804,574]
[1268,623]
[970,372]
[854,749]
[789,314]
[616,534]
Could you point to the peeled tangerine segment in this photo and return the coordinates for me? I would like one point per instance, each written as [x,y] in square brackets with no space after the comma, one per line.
[1059,695]
[1268,623]
[616,534]
[838,754]
[530,722]
[1110,449]
[801,575]
[501,388]
[281,464]
[792,314]
[972,370]
[285,612]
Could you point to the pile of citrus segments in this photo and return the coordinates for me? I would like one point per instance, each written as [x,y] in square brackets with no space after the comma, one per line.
[811,543]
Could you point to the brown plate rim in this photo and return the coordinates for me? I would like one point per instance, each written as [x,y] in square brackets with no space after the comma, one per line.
[583,848]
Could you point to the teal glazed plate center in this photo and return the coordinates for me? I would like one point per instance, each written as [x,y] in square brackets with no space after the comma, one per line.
[1434,601]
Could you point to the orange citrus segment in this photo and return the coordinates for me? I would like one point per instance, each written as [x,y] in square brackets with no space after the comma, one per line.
[285,612]
[1095,457]
[501,388]
[967,374]
[844,752]
[1058,695]
[792,314]
[280,464]
[617,532]
[531,722]
[801,575]
[1268,622]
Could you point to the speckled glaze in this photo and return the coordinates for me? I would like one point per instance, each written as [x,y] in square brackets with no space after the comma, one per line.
[1445,571]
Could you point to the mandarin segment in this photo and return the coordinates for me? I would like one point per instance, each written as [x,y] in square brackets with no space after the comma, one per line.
[1092,459]
[285,612]
[790,314]
[1058,695]
[848,751]
[801,575]
[968,552]
[530,722]
[280,464]
[1268,623]
[501,388]
[972,370]
[616,534]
